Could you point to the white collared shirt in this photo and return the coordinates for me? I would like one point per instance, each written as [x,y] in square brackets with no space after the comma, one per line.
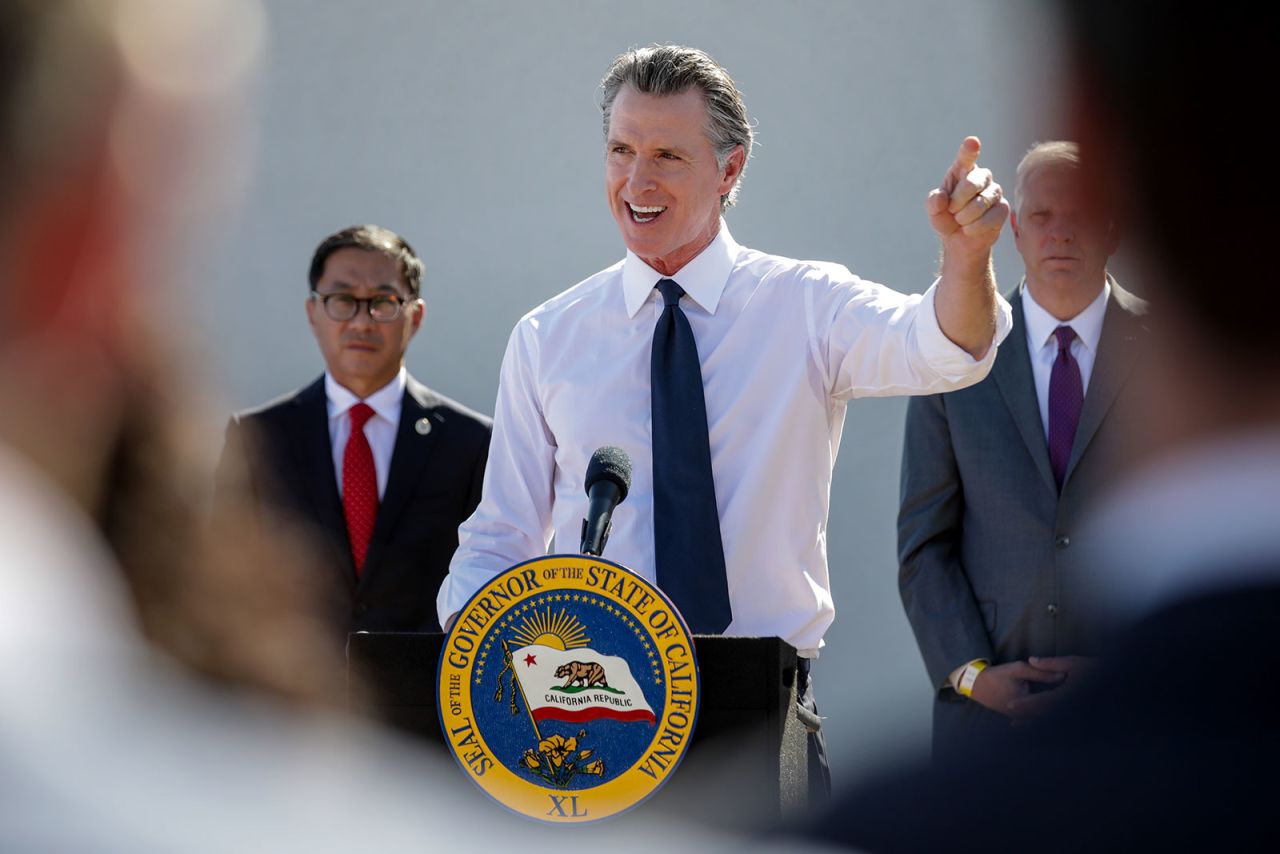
[783,344]
[1042,344]
[380,429]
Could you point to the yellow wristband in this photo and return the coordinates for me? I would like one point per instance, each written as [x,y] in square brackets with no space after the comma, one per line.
[970,676]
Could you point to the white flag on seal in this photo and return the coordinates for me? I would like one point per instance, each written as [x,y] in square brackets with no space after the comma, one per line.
[578,685]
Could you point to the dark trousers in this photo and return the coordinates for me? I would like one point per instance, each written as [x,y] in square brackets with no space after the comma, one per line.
[807,711]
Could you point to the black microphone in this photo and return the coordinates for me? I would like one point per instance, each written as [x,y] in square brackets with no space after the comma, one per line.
[608,481]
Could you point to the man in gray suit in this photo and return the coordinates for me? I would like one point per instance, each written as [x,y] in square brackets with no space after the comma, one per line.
[996,477]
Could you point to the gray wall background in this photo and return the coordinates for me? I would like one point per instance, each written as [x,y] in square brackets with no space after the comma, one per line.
[473,129]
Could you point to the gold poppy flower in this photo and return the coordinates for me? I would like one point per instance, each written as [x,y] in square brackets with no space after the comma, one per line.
[557,749]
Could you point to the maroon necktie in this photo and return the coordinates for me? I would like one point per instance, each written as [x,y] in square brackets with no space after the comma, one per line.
[1066,399]
[359,486]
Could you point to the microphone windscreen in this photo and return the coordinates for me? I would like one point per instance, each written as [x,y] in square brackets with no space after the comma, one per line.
[610,463]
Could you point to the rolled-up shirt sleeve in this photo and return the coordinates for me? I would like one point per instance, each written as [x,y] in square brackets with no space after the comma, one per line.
[871,341]
[513,521]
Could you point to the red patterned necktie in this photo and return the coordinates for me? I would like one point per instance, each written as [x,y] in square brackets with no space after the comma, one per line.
[359,486]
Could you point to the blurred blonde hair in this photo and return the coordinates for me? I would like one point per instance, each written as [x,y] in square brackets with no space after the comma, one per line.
[90,100]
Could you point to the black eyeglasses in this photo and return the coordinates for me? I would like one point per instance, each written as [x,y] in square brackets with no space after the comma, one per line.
[383,308]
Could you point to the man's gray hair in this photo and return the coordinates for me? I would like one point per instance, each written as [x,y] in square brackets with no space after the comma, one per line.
[670,70]
[1055,152]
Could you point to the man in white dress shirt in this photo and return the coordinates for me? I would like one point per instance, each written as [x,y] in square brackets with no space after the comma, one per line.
[782,347]
[996,478]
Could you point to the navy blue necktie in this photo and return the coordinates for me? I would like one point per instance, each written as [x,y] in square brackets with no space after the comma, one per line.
[686,525]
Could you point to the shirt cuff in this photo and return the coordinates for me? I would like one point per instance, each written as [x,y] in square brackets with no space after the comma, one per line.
[450,599]
[947,357]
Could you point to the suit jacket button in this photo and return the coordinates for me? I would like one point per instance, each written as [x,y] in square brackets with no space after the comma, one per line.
[1062,542]
[362,607]
[1052,609]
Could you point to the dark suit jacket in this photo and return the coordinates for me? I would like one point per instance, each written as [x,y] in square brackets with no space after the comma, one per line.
[986,544]
[433,485]
[1144,757]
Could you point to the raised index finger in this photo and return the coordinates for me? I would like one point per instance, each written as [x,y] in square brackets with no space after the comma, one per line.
[966,159]
[967,156]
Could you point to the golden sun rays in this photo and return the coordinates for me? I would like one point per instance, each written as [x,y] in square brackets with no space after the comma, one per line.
[562,631]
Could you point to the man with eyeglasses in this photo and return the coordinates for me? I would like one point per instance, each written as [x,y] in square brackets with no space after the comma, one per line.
[379,469]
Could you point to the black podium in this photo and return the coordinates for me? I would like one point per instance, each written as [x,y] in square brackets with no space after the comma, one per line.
[747,764]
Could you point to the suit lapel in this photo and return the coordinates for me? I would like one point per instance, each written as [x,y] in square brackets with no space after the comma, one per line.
[1012,374]
[415,435]
[1120,332]
[313,458]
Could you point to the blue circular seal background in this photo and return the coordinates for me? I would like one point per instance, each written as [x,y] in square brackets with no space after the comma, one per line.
[504,716]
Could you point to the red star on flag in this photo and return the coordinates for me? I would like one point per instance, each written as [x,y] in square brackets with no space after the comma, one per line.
[530,660]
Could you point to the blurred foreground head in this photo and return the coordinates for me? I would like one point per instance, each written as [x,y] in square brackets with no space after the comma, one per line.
[1168,110]
[108,114]
[118,140]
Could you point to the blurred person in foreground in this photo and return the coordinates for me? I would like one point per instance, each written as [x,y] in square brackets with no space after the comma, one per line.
[996,478]
[377,469]
[1172,741]
[156,698]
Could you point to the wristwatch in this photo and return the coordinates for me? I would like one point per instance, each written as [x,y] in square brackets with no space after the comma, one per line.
[969,676]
